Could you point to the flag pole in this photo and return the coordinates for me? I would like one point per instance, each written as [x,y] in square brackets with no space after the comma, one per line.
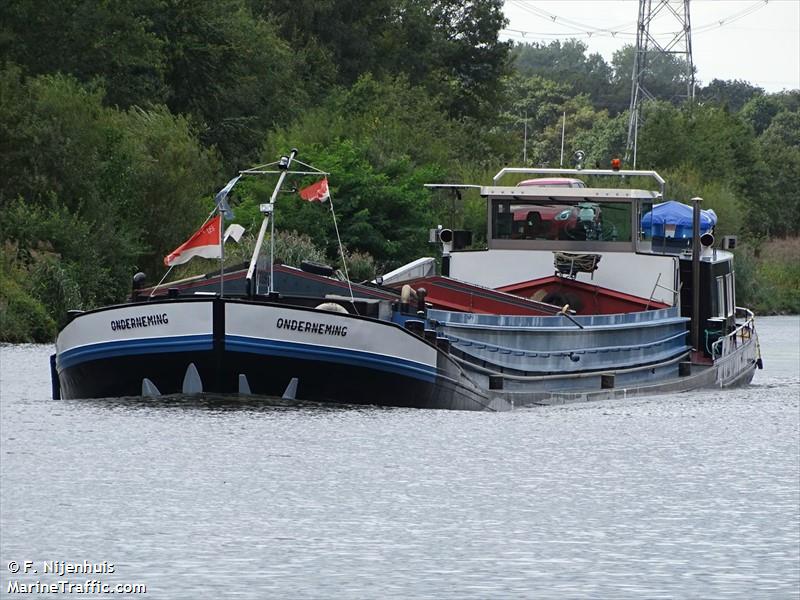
[223,210]
[221,253]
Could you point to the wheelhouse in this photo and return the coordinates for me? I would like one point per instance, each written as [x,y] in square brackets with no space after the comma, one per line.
[564,214]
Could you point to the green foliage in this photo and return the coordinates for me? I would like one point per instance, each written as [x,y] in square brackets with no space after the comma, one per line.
[212,60]
[780,149]
[768,276]
[603,140]
[607,85]
[227,69]
[93,193]
[381,141]
[389,117]
[360,266]
[548,108]
[292,248]
[379,211]
[759,111]
[115,119]
[686,182]
[699,135]
[163,177]
[55,286]
[111,42]
[732,94]
[48,233]
[23,318]
[567,63]
[666,77]
[449,47]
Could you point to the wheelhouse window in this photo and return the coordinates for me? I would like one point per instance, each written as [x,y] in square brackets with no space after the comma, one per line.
[563,220]
[730,295]
[718,304]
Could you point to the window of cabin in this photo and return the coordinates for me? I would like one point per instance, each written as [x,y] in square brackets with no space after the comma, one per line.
[718,308]
[563,220]
[730,295]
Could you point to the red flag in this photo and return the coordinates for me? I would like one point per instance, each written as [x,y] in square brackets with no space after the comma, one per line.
[204,243]
[316,192]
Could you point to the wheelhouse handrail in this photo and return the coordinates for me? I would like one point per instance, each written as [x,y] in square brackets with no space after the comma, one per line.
[722,346]
[553,171]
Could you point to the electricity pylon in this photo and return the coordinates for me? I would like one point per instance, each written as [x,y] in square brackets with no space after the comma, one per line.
[647,46]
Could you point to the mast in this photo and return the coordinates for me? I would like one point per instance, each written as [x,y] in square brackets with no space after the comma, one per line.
[268,210]
[283,165]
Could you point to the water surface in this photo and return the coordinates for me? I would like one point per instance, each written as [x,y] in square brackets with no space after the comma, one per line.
[689,495]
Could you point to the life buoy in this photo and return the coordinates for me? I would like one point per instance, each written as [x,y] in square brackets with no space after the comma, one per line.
[332,307]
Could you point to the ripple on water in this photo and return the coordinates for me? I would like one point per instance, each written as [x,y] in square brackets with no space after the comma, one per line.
[693,495]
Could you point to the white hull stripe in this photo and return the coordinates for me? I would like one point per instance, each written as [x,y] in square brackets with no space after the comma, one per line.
[184,343]
[358,358]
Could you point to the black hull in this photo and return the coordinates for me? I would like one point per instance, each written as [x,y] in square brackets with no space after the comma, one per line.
[266,376]
[258,348]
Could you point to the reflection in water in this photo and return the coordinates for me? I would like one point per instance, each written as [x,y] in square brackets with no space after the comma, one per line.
[692,495]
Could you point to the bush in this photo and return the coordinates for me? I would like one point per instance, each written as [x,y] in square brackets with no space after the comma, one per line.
[53,284]
[360,266]
[779,273]
[768,276]
[291,248]
[23,318]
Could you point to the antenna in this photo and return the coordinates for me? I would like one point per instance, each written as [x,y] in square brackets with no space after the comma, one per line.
[680,44]
[525,141]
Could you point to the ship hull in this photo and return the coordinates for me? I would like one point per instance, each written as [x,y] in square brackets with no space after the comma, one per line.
[252,348]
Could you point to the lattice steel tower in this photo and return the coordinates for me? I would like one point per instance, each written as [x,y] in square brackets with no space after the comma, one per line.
[675,14]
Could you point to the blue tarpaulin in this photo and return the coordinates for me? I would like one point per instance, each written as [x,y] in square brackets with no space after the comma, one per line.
[659,222]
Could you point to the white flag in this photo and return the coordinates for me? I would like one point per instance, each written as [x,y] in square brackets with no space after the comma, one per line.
[234,231]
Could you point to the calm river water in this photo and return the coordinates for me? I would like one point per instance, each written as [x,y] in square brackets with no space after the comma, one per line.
[685,496]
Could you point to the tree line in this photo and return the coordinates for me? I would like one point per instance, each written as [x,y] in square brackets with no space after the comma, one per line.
[119,120]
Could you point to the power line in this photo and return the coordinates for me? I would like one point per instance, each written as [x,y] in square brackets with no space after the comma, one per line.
[543,14]
[622,30]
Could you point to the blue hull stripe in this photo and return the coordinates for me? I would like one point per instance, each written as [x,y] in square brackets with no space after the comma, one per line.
[204,343]
[184,343]
[356,358]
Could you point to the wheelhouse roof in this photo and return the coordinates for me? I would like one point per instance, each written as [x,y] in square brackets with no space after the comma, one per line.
[530,192]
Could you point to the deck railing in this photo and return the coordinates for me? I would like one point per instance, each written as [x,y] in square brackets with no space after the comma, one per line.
[739,336]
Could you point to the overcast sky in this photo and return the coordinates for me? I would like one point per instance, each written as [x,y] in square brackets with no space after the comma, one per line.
[754,40]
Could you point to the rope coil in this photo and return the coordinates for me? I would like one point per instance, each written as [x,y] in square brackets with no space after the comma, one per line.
[569,264]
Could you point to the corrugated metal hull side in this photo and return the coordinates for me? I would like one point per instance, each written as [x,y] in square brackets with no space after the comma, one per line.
[546,345]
